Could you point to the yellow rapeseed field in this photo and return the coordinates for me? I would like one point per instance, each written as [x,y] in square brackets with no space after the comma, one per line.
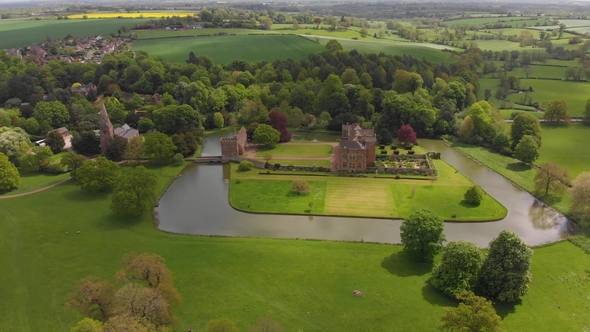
[132,15]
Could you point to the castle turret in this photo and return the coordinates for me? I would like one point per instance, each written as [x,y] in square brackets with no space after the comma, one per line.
[106,129]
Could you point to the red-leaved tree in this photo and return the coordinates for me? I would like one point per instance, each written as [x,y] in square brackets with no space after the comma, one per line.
[406,135]
[279,121]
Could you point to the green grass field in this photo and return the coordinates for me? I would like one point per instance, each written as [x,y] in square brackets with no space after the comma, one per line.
[541,72]
[297,150]
[575,94]
[365,197]
[33,181]
[154,34]
[566,146]
[485,20]
[304,285]
[322,163]
[18,33]
[507,113]
[225,49]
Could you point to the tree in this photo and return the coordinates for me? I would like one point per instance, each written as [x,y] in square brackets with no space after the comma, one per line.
[317,21]
[134,149]
[332,97]
[384,137]
[116,146]
[581,196]
[55,141]
[474,314]
[159,148]
[458,269]
[11,142]
[86,143]
[135,192]
[300,187]
[218,119]
[9,176]
[88,325]
[138,302]
[586,117]
[474,195]
[279,121]
[72,162]
[127,322]
[245,166]
[144,125]
[54,112]
[505,272]
[525,124]
[221,325]
[556,111]
[333,46]
[266,135]
[93,297]
[176,119]
[97,175]
[266,324]
[551,177]
[404,81]
[150,269]
[406,135]
[38,160]
[422,234]
[527,150]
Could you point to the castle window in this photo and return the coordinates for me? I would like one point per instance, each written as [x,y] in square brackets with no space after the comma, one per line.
[359,165]
[345,164]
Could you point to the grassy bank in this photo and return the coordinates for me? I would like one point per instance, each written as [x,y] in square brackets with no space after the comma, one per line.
[363,197]
[297,150]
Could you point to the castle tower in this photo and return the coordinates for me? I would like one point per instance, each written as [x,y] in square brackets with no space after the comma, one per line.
[106,129]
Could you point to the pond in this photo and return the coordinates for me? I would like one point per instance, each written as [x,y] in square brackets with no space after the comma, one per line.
[197,203]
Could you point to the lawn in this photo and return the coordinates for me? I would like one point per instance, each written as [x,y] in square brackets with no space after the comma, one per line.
[322,163]
[297,150]
[575,94]
[30,181]
[566,146]
[19,33]
[365,197]
[225,49]
[304,285]
[513,170]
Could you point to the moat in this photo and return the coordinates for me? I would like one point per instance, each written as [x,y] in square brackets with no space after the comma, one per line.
[197,203]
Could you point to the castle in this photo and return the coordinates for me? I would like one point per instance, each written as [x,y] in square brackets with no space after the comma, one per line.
[106,130]
[233,146]
[356,150]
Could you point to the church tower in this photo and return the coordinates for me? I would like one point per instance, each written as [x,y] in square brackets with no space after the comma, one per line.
[106,129]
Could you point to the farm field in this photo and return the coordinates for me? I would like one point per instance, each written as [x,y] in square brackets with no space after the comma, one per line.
[225,49]
[297,150]
[155,34]
[301,294]
[485,20]
[566,146]
[19,33]
[541,72]
[575,94]
[369,197]
[132,15]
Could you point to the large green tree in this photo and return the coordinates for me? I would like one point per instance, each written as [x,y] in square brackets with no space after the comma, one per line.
[586,117]
[55,141]
[11,140]
[527,150]
[474,314]
[38,160]
[175,119]
[551,178]
[72,162]
[159,148]
[135,192]
[97,175]
[332,98]
[458,269]
[9,176]
[556,111]
[266,135]
[422,234]
[505,272]
[53,112]
[581,196]
[525,124]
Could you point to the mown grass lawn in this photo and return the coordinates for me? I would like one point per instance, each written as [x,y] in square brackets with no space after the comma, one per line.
[30,181]
[297,150]
[318,163]
[365,197]
[304,285]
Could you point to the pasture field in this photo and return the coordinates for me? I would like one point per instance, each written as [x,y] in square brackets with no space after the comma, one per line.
[505,20]
[19,33]
[155,34]
[570,23]
[219,277]
[365,197]
[566,146]
[507,113]
[225,49]
[575,94]
[297,150]
[131,15]
[541,72]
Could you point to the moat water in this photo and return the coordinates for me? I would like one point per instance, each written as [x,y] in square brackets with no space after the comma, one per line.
[197,203]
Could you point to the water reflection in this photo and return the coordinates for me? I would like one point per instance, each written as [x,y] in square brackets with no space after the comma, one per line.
[197,203]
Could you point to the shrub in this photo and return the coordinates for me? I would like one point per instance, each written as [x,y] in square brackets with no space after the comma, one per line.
[383,151]
[321,168]
[396,152]
[245,165]
[411,152]
[408,147]
[300,187]
[474,195]
[277,166]
[382,146]
[394,147]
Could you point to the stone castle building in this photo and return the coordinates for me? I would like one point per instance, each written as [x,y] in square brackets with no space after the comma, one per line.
[356,150]
[234,146]
[106,130]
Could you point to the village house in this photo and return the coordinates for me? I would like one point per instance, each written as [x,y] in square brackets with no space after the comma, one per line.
[356,150]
